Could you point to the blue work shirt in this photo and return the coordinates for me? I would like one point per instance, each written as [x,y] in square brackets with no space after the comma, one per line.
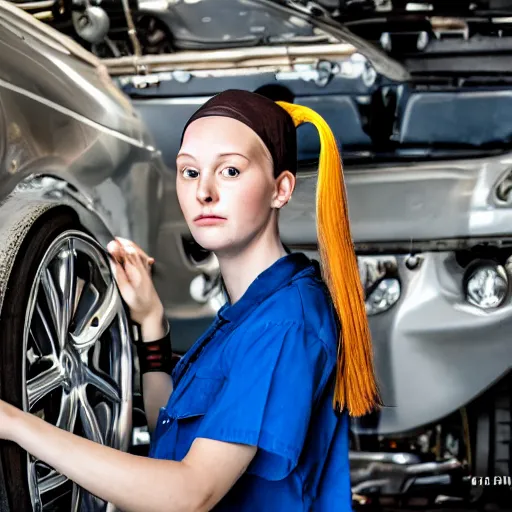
[263,375]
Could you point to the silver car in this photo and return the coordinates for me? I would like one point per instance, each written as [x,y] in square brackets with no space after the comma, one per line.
[419,98]
[76,167]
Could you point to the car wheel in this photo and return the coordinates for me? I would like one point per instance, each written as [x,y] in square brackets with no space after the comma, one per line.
[65,355]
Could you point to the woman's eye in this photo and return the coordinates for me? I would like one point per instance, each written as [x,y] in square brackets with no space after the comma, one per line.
[231,172]
[190,173]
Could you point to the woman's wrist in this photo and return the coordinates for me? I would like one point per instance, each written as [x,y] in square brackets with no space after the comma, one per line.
[154,326]
[155,351]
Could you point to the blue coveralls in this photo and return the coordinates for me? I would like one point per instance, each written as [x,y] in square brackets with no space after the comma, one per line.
[262,374]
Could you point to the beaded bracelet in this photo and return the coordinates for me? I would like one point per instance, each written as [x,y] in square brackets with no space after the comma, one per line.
[156,356]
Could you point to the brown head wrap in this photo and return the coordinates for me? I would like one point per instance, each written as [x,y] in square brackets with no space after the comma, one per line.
[269,121]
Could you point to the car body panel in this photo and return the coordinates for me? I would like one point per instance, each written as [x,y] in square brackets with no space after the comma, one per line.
[45,69]
[434,353]
[407,204]
[111,173]
[66,118]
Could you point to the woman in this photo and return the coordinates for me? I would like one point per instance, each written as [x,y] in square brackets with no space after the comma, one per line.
[246,421]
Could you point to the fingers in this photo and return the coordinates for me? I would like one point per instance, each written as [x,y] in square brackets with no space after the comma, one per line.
[132,263]
[124,264]
[117,251]
[120,248]
[128,243]
[121,278]
[133,258]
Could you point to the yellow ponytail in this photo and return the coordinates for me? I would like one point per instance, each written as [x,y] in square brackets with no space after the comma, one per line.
[355,386]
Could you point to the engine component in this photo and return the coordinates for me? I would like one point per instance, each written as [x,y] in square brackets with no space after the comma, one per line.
[92,25]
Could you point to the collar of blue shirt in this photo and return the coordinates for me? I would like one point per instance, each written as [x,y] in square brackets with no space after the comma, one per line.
[280,273]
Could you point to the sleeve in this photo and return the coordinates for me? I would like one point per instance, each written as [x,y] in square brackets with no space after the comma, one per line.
[276,370]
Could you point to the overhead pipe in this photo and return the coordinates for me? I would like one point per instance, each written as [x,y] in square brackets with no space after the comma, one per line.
[225,59]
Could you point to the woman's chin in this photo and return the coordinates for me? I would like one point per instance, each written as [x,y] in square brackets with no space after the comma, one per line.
[211,243]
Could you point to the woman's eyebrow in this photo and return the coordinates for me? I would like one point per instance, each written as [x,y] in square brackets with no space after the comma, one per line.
[233,154]
[185,155]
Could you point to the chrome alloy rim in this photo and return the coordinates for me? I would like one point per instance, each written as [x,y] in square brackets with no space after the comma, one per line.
[76,361]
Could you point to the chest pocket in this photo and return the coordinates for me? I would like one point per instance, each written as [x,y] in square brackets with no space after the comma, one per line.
[187,413]
[178,424]
[199,395]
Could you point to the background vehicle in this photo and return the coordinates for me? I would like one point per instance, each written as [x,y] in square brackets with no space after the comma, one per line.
[418,95]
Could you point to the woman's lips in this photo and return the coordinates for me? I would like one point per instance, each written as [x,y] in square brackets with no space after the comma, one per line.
[209,220]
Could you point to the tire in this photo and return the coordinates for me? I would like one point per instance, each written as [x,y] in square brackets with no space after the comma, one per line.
[22,306]
[492,443]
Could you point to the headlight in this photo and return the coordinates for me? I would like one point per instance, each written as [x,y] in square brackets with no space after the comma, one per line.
[487,286]
[385,295]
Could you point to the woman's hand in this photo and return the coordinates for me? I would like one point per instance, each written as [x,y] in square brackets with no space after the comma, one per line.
[133,275]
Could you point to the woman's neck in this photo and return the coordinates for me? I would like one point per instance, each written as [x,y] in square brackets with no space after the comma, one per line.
[240,270]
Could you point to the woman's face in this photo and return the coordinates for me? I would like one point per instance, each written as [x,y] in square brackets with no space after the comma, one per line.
[224,170]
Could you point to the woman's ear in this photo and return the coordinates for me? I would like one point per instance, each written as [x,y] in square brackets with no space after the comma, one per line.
[285,185]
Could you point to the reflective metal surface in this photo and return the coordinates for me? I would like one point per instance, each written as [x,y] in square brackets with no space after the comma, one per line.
[383,297]
[487,286]
[406,204]
[383,473]
[77,361]
[64,117]
[379,276]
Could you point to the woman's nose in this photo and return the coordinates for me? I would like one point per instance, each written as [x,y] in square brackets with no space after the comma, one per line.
[206,191]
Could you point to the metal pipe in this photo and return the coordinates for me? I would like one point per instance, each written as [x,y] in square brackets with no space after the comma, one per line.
[426,467]
[399,458]
[220,69]
[43,15]
[232,58]
[30,6]
[395,476]
[409,462]
[132,31]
